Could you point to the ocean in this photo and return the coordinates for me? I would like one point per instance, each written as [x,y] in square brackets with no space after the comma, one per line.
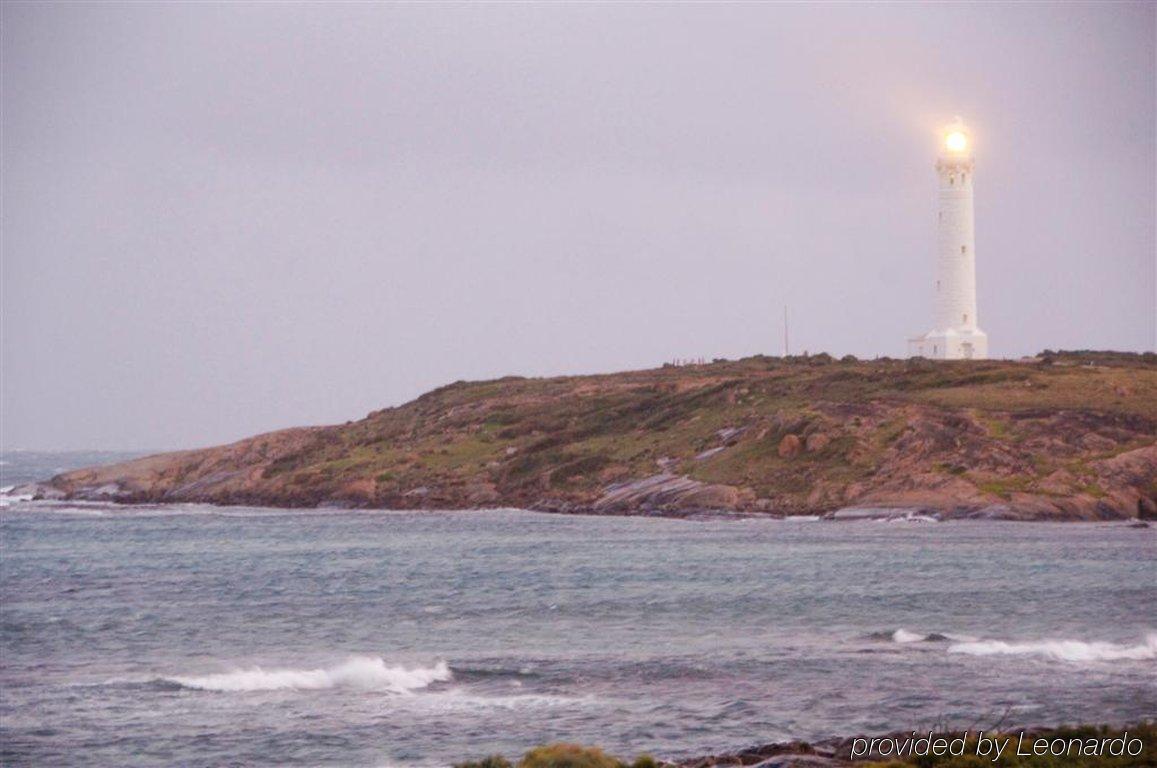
[200,636]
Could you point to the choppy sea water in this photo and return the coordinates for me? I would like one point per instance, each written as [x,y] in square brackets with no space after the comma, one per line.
[204,636]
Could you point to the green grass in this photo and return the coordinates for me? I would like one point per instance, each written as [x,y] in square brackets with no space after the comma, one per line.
[1094,490]
[1005,487]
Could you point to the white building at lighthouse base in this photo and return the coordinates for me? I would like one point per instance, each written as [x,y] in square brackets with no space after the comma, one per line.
[952,344]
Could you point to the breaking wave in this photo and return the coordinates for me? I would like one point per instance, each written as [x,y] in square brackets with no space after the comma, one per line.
[7,498]
[1061,650]
[363,672]
[904,636]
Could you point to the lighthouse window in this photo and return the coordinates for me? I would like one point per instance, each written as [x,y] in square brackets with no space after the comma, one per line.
[951,180]
[966,318]
[937,285]
[964,249]
[963,177]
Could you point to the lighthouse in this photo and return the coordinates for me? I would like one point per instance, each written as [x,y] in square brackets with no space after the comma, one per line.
[956,334]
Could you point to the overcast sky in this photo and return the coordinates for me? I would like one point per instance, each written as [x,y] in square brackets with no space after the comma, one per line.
[225,219]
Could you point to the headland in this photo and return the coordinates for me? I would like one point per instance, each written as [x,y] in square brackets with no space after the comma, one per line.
[1062,436]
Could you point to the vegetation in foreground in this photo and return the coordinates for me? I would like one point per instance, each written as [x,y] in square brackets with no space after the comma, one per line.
[562,755]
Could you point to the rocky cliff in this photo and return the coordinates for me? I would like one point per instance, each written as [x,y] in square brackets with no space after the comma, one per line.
[1062,436]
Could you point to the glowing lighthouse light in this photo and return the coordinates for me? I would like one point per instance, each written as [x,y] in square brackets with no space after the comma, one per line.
[956,333]
[956,141]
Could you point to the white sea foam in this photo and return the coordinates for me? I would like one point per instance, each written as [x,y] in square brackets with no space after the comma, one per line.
[904,636]
[906,517]
[458,700]
[364,672]
[7,498]
[1061,650]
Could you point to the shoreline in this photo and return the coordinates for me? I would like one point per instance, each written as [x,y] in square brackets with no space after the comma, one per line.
[1036,744]
[39,492]
[663,495]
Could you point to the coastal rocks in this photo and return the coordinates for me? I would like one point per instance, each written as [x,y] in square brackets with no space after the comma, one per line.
[358,491]
[849,752]
[37,491]
[104,492]
[825,494]
[655,490]
[916,489]
[883,513]
[799,761]
[766,506]
[672,493]
[482,494]
[817,442]
[1059,482]
[1136,468]
[1096,443]
[789,447]
[791,754]
[718,497]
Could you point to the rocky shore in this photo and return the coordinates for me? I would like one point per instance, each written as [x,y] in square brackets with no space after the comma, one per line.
[1083,746]
[1058,437]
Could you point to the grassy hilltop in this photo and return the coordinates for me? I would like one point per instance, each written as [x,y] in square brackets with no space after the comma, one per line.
[1065,436]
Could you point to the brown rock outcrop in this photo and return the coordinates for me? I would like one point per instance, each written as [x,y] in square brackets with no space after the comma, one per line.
[789,446]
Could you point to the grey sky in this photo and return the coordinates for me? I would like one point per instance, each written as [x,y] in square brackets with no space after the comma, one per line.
[224,219]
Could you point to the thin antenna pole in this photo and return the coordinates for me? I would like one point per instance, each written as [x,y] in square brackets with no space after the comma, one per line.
[786,347]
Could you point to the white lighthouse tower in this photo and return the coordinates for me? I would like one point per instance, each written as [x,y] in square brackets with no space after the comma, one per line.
[956,334]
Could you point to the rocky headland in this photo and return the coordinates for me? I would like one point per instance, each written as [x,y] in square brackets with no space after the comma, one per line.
[1064,436]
